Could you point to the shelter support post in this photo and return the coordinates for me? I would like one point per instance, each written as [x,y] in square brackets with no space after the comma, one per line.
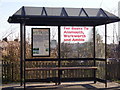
[22,51]
[105,55]
[24,37]
[59,61]
[21,54]
[94,53]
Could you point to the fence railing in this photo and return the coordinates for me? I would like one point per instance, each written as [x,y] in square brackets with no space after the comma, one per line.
[11,70]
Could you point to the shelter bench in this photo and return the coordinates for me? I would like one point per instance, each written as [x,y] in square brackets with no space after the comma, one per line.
[61,69]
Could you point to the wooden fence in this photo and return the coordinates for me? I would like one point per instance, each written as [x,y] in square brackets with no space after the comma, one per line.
[113,69]
[11,70]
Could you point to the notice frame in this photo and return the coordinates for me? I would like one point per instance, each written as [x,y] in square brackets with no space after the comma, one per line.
[40,42]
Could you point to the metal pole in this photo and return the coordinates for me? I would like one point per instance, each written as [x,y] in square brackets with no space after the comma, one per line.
[22,28]
[24,52]
[21,54]
[119,22]
[94,53]
[59,61]
[105,55]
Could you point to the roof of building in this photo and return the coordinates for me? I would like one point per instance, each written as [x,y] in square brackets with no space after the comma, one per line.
[49,16]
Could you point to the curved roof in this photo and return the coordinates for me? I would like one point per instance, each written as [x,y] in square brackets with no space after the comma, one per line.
[62,16]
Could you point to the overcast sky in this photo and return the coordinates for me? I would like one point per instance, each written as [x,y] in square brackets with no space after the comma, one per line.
[9,7]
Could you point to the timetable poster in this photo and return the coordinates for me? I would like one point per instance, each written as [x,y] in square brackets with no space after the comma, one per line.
[40,41]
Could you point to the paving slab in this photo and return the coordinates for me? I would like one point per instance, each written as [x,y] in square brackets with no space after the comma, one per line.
[63,86]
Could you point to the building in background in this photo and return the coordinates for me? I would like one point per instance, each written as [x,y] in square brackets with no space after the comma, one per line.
[53,44]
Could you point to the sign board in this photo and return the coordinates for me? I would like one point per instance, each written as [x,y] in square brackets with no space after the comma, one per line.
[76,34]
[40,42]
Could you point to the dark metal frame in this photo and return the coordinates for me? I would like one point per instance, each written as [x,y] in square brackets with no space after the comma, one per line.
[44,19]
[105,55]
[32,43]
[22,49]
[59,79]
[94,54]
[59,56]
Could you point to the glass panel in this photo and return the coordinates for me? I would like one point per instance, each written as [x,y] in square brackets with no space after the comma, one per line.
[73,11]
[92,12]
[33,10]
[76,42]
[53,11]
[100,41]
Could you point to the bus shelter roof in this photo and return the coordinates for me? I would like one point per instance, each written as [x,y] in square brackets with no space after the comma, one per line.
[54,16]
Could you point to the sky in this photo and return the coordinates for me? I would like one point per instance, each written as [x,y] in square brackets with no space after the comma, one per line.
[9,7]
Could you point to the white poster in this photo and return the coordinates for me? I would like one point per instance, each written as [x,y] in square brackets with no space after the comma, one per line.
[76,34]
[40,41]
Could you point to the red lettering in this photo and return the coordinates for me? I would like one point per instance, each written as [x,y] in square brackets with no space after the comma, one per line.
[83,36]
[67,39]
[66,28]
[74,28]
[75,32]
[78,39]
[85,28]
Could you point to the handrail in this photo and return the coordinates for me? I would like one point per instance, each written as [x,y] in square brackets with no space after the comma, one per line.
[63,59]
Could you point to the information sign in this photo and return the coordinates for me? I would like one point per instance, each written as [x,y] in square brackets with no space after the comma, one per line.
[40,41]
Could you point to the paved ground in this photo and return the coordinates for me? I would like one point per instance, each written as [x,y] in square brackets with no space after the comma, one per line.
[64,86]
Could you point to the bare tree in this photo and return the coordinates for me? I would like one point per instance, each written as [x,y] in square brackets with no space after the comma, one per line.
[66,49]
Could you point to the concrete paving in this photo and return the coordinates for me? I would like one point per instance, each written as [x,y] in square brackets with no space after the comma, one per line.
[64,86]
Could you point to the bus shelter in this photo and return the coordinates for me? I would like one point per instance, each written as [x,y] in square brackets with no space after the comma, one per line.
[49,16]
